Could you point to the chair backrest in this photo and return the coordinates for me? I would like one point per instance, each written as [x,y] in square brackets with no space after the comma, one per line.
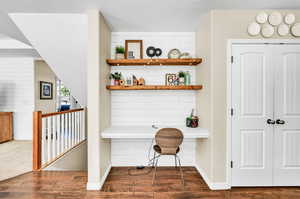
[169,139]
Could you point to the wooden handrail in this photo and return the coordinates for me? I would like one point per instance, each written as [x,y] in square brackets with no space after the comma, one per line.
[62,112]
[37,134]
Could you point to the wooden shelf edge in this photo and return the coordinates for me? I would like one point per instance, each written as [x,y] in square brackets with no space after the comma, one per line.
[154,62]
[155,87]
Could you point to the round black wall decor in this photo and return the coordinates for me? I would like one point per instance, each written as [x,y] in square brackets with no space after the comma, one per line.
[158,52]
[150,51]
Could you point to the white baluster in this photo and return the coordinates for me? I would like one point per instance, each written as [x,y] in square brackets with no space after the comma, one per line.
[73,129]
[82,125]
[76,127]
[58,130]
[53,118]
[69,130]
[63,135]
[43,147]
[79,128]
[49,131]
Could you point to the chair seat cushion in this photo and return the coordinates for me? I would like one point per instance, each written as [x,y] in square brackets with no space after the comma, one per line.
[157,149]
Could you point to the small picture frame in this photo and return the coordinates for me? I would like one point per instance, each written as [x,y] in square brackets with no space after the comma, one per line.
[171,79]
[46,90]
[133,49]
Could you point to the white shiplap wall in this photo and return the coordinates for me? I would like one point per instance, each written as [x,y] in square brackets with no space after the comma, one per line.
[17,93]
[152,107]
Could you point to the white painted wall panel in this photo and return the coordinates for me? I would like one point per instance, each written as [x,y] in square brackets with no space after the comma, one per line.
[184,41]
[132,152]
[152,107]
[17,93]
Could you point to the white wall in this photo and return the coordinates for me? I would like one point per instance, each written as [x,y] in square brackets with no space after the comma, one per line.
[93,100]
[153,107]
[105,97]
[222,25]
[74,160]
[44,73]
[17,93]
[61,40]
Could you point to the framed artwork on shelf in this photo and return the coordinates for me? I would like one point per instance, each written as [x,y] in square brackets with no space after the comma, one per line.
[46,90]
[171,79]
[133,49]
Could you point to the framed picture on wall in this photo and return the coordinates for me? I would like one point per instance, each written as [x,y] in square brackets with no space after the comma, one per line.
[46,90]
[133,49]
[171,79]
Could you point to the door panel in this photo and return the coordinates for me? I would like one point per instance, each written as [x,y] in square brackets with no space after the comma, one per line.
[252,101]
[287,108]
[252,144]
[252,84]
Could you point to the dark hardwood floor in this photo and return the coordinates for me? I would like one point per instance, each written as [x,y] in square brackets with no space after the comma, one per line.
[71,185]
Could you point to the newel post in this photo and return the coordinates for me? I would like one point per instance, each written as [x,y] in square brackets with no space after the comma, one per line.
[36,141]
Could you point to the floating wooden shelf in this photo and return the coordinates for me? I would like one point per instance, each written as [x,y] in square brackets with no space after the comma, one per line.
[154,62]
[155,87]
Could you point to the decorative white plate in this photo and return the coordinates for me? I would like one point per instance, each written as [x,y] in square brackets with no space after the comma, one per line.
[283,30]
[254,29]
[262,17]
[267,30]
[174,53]
[289,19]
[295,30]
[275,18]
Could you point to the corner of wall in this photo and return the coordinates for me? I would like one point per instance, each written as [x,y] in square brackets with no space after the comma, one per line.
[105,98]
[203,50]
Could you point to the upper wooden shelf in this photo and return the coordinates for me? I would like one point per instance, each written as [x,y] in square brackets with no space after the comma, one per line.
[155,87]
[154,62]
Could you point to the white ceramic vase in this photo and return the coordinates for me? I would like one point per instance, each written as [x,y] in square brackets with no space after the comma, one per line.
[119,56]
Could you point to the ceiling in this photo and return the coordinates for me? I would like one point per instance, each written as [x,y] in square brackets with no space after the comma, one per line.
[135,15]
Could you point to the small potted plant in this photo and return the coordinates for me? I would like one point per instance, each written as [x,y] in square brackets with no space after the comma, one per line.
[116,77]
[181,76]
[120,51]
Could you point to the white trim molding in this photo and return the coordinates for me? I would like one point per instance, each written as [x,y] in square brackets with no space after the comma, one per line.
[93,186]
[105,175]
[212,185]
[98,185]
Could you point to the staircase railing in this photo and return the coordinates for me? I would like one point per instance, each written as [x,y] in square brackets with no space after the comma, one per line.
[54,134]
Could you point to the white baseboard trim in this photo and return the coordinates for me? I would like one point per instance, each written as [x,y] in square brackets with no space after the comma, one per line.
[212,185]
[98,185]
[105,175]
[93,186]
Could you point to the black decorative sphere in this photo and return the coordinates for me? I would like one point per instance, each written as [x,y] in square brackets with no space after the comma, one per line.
[158,52]
[150,51]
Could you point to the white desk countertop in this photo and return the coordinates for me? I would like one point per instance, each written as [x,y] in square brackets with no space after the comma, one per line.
[149,132]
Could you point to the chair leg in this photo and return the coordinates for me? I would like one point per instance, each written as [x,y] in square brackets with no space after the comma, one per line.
[175,161]
[154,174]
[153,160]
[182,179]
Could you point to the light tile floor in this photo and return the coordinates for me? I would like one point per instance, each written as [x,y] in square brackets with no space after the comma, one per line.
[15,158]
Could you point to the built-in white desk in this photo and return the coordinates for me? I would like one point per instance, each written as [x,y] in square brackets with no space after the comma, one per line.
[130,144]
[128,132]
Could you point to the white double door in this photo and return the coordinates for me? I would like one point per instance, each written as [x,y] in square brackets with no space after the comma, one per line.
[266,115]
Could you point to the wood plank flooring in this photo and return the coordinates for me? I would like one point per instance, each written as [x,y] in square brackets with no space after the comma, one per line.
[72,184]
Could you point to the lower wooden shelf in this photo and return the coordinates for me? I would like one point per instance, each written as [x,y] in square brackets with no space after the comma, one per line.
[155,87]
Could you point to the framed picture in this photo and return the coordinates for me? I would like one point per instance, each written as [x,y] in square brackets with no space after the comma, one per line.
[171,79]
[46,90]
[133,49]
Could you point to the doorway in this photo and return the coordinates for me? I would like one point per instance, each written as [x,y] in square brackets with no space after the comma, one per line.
[265,121]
